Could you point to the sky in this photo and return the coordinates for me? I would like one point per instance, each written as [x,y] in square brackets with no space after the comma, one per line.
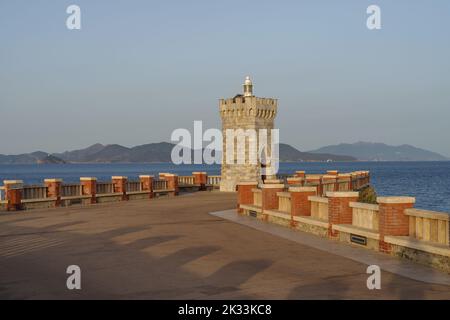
[137,70]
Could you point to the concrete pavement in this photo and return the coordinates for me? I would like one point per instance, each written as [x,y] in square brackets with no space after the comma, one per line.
[171,248]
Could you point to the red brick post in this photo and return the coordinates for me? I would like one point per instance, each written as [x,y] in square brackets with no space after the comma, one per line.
[172,183]
[120,186]
[300,174]
[147,184]
[245,193]
[13,194]
[54,190]
[392,218]
[200,179]
[332,172]
[89,187]
[270,197]
[295,181]
[300,205]
[162,174]
[339,210]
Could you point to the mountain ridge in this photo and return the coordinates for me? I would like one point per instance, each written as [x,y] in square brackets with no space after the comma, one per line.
[377,151]
[159,152]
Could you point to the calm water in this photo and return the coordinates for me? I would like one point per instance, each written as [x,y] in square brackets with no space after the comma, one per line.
[429,182]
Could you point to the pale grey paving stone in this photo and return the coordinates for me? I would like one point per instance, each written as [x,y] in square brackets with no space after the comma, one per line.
[402,267]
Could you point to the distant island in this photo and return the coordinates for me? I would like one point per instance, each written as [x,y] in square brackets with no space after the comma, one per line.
[369,151]
[161,153]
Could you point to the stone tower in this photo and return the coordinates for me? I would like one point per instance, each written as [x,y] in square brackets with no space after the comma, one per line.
[245,111]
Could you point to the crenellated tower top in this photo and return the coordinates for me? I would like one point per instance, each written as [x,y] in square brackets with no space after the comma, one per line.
[248,105]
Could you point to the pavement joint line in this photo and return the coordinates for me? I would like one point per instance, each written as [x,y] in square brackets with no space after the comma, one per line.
[404,268]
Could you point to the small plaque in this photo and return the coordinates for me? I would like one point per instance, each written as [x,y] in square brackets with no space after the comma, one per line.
[354,238]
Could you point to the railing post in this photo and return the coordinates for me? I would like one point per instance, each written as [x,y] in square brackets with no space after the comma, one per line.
[89,187]
[269,197]
[295,181]
[147,184]
[339,210]
[300,205]
[200,179]
[245,193]
[54,190]
[120,186]
[172,183]
[13,194]
[300,174]
[392,218]
[332,172]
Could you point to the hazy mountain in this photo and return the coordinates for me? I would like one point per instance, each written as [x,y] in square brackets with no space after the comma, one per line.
[152,152]
[290,154]
[78,155]
[30,158]
[370,151]
[161,152]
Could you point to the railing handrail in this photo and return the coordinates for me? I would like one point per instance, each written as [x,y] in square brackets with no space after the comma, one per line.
[428,214]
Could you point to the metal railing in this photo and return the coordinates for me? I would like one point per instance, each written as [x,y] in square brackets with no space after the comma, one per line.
[104,188]
[34,192]
[159,185]
[70,190]
[134,186]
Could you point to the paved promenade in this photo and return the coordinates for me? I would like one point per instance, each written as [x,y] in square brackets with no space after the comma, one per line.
[172,248]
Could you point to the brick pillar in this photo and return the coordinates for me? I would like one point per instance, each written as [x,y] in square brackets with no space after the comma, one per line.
[162,174]
[54,190]
[300,174]
[270,197]
[120,186]
[172,183]
[147,184]
[339,210]
[300,205]
[245,193]
[295,181]
[332,172]
[13,194]
[200,179]
[89,187]
[392,218]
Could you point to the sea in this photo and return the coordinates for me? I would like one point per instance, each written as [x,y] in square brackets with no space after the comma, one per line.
[429,182]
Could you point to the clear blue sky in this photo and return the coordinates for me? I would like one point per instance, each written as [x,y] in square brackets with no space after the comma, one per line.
[139,69]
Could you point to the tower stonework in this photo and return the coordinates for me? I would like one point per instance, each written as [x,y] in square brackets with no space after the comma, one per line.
[245,112]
